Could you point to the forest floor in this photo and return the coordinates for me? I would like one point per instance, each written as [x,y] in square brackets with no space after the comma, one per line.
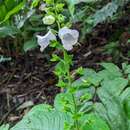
[29,78]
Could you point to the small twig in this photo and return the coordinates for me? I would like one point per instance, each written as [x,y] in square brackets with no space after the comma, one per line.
[7,114]
[8,101]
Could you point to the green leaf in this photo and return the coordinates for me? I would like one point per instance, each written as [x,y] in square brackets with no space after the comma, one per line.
[20,24]
[128,41]
[125,99]
[68,58]
[127,69]
[42,117]
[81,82]
[100,110]
[35,3]
[94,122]
[29,45]
[127,107]
[106,75]
[115,86]
[100,16]
[86,107]
[14,10]
[61,68]
[64,101]
[8,31]
[72,3]
[79,71]
[113,69]
[4,127]
[113,108]
[79,1]
[125,94]
[94,79]
[89,77]
[3,12]
[55,58]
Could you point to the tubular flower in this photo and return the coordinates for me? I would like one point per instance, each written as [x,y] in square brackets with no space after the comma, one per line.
[44,41]
[69,37]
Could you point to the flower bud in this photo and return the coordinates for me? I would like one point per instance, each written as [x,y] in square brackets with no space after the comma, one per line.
[61,18]
[48,20]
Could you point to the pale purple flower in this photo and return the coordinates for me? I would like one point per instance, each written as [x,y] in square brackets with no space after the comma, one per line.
[45,40]
[69,37]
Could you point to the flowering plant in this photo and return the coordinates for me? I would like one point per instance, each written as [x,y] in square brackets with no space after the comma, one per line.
[68,38]
[70,111]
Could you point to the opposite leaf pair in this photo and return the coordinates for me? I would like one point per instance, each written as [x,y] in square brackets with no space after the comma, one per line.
[68,38]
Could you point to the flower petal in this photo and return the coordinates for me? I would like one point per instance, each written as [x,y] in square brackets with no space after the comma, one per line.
[68,47]
[75,35]
[44,41]
[63,31]
[68,37]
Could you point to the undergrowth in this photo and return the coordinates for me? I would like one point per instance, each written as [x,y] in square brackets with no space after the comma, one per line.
[97,100]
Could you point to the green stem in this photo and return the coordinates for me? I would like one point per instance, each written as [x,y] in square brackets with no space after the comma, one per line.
[56,14]
[73,97]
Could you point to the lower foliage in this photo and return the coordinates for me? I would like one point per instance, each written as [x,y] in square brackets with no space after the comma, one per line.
[102,99]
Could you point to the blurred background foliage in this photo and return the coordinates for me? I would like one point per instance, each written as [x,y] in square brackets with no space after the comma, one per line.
[21,20]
